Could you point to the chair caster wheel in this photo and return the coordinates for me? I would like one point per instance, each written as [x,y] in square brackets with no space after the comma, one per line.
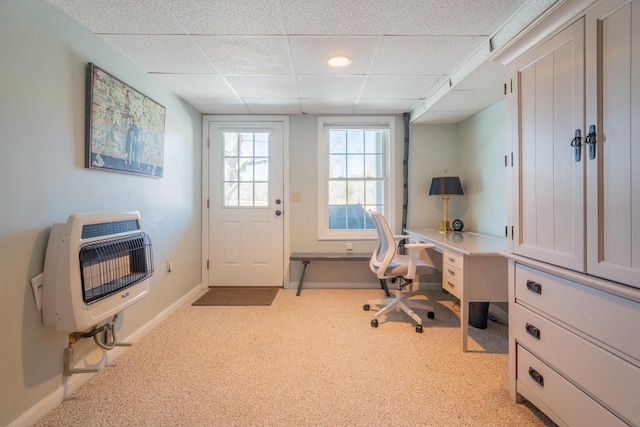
[431,315]
[374,323]
[419,329]
[366,307]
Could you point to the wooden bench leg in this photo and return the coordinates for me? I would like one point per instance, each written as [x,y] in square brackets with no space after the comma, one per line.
[383,285]
[304,269]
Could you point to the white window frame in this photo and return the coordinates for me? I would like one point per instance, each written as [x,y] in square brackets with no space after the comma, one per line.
[324,233]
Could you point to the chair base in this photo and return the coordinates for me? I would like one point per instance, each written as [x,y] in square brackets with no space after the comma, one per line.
[399,303]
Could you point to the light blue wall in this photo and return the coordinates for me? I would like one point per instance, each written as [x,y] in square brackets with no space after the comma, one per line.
[482,147]
[43,179]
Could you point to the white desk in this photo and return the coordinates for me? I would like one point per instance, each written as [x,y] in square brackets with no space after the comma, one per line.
[472,268]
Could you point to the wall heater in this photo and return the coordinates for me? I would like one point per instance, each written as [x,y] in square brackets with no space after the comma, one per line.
[96,265]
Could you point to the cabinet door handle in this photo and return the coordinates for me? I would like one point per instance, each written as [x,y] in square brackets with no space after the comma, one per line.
[534,287]
[590,140]
[535,375]
[533,331]
[576,143]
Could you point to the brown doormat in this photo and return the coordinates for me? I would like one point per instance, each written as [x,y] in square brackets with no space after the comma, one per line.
[238,296]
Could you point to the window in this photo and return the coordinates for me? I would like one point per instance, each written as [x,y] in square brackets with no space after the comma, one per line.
[246,168]
[354,175]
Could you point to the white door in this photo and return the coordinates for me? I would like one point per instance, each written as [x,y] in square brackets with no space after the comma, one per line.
[246,231]
[549,179]
[613,167]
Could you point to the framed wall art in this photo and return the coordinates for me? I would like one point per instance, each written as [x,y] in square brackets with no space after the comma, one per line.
[124,128]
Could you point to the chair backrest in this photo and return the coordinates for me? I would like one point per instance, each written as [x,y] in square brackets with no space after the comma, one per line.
[386,247]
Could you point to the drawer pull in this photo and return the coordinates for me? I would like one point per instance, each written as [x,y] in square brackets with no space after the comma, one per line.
[535,375]
[533,331]
[534,287]
[453,273]
[452,260]
[451,284]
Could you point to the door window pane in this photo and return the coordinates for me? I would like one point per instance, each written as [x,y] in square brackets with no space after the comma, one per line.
[246,169]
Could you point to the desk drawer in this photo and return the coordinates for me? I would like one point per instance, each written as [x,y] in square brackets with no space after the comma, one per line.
[609,379]
[537,382]
[452,283]
[452,259]
[605,317]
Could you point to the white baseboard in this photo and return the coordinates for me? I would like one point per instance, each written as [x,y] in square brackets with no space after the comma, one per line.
[74,382]
[499,313]
[352,285]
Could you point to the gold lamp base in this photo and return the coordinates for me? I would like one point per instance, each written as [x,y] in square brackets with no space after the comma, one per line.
[445,225]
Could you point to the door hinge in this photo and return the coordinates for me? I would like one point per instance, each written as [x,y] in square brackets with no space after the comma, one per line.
[207,203]
[511,85]
[505,88]
[512,232]
[207,264]
[208,142]
[506,231]
[512,159]
[506,161]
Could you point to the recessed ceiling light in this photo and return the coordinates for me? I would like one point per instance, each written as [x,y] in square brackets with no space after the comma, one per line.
[339,61]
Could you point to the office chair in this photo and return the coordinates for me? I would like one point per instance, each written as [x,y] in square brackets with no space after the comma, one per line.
[388,264]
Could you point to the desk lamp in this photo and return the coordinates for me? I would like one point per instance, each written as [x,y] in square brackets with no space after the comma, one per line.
[445,186]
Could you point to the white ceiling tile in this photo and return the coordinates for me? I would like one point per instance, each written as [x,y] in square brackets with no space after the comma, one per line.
[273,106]
[385,106]
[422,55]
[328,106]
[283,87]
[398,87]
[163,54]
[338,87]
[434,17]
[337,17]
[196,85]
[310,54]
[468,99]
[219,105]
[247,54]
[270,56]
[121,16]
[228,16]
[525,15]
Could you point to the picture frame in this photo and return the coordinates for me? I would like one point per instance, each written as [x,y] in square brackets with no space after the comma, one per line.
[124,128]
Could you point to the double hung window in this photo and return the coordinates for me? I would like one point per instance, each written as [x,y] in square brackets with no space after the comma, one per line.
[354,175]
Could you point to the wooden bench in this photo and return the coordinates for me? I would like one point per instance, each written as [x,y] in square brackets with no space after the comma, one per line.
[307,257]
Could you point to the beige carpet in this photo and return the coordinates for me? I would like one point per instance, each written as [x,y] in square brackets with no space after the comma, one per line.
[238,296]
[311,360]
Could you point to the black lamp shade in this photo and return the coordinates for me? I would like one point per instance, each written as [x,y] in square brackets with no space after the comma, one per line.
[446,185]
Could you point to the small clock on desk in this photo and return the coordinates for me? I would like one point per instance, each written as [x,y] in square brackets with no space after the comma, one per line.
[457,225]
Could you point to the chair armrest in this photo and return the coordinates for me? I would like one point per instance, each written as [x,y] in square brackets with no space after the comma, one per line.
[414,252]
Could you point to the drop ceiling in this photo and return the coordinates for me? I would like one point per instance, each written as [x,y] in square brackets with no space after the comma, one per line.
[426,57]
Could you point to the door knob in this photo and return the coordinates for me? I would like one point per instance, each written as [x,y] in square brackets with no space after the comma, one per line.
[278,212]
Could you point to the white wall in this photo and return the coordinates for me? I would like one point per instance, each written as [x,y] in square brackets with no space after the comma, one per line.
[43,180]
[482,149]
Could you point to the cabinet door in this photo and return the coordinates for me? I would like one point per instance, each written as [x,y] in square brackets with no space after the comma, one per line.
[613,106]
[548,184]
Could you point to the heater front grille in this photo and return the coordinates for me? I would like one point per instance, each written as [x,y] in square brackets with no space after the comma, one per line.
[100,229]
[110,265]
